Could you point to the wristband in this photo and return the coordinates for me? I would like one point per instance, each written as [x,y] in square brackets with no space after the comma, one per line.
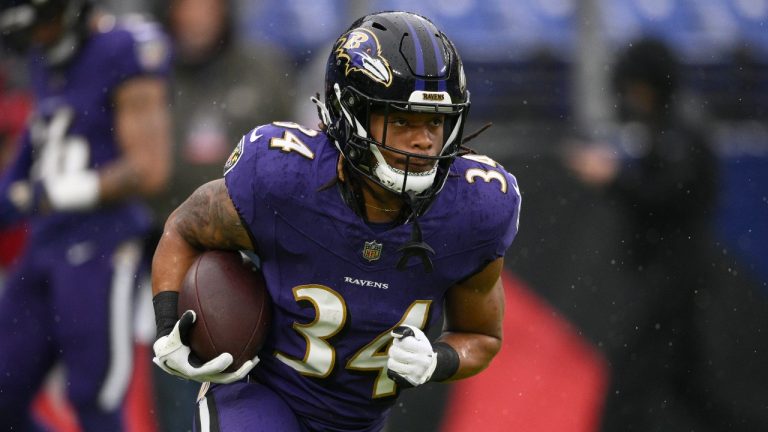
[165,304]
[447,362]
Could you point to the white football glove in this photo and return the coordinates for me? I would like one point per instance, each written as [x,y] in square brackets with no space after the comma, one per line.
[173,356]
[411,357]
[73,191]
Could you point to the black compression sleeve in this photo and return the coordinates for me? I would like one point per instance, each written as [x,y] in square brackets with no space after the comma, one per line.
[166,315]
[447,361]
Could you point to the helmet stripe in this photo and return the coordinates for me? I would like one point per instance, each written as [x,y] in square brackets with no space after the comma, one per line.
[439,59]
[419,57]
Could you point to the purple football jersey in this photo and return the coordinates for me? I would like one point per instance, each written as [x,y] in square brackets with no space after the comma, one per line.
[73,125]
[333,279]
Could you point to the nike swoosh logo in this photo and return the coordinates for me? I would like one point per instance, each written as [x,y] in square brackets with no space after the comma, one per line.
[254,137]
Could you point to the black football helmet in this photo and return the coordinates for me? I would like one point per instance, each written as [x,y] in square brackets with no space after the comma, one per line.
[393,62]
[18,19]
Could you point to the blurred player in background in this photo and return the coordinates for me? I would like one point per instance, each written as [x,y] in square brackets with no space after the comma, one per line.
[221,87]
[369,231]
[97,142]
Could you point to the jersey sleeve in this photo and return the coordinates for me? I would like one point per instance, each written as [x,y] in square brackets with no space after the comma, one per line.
[260,174]
[511,225]
[241,182]
[503,216]
[137,49]
[494,196]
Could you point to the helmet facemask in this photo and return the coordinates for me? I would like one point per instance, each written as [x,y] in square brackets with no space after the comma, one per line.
[353,137]
[18,20]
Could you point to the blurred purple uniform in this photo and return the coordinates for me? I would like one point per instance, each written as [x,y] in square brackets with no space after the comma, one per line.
[334,283]
[70,297]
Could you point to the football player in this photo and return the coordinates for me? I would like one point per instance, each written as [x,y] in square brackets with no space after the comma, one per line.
[369,231]
[98,140]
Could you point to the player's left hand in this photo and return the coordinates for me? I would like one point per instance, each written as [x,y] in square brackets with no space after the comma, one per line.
[412,360]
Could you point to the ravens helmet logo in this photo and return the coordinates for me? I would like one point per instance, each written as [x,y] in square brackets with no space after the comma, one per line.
[361,50]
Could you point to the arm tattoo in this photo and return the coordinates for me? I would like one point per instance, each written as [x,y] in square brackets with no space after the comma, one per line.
[209,220]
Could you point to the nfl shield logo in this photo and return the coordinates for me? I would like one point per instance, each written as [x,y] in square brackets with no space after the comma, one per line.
[372,250]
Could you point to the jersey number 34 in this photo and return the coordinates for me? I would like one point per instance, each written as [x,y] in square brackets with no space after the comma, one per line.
[330,317]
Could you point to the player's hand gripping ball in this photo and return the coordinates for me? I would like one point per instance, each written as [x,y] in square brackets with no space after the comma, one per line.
[229,296]
[173,355]
[225,314]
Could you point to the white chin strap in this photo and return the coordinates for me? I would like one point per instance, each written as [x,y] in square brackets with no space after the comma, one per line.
[394,179]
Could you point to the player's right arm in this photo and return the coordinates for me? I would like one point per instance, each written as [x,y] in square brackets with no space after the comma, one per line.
[206,220]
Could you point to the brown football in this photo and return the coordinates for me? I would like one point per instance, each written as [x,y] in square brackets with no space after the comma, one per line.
[229,295]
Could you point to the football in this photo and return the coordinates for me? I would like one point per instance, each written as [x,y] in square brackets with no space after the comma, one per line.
[229,295]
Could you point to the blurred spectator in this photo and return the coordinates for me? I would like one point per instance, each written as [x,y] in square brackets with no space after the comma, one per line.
[664,184]
[97,143]
[221,89]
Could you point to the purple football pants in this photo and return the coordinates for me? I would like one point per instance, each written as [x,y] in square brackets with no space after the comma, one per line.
[250,406]
[71,304]
[244,407]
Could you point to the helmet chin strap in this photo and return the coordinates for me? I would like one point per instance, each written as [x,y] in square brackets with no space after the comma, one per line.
[397,180]
[412,182]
